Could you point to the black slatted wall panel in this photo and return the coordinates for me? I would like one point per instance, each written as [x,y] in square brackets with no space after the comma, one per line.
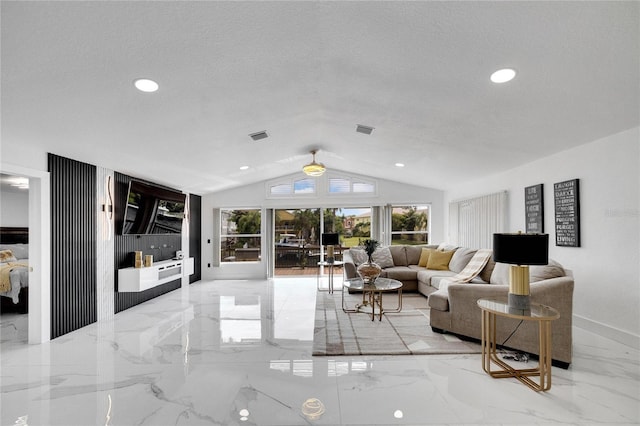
[162,247]
[73,244]
[195,236]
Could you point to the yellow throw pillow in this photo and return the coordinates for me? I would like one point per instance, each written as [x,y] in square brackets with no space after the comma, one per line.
[424,257]
[439,260]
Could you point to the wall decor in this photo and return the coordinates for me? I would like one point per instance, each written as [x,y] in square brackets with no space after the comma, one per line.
[567,208]
[534,209]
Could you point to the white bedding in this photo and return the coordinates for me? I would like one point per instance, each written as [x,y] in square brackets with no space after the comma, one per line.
[19,276]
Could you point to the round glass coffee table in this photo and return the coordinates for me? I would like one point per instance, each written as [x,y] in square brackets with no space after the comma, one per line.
[372,295]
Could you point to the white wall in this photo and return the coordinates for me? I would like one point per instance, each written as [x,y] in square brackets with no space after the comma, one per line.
[14,208]
[254,196]
[607,265]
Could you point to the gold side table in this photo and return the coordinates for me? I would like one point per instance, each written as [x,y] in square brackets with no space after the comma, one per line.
[543,315]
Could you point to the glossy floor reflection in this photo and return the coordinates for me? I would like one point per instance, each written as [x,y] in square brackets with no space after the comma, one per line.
[239,353]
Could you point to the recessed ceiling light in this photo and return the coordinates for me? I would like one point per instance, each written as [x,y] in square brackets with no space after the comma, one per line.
[146,85]
[399,164]
[244,167]
[503,75]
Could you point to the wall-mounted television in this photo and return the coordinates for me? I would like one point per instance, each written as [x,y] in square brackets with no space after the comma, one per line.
[153,209]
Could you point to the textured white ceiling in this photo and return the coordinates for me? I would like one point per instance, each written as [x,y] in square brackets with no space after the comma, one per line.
[307,73]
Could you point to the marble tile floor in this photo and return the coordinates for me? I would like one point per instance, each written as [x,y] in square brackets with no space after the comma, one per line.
[239,353]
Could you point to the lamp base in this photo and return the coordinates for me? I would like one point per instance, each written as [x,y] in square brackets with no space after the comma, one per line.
[519,301]
[330,254]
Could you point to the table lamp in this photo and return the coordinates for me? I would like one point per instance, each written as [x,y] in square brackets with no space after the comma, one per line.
[520,250]
[329,240]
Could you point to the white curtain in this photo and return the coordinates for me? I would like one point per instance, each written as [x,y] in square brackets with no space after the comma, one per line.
[473,222]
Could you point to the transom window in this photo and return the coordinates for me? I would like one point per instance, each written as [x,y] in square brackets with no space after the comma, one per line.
[331,184]
[292,187]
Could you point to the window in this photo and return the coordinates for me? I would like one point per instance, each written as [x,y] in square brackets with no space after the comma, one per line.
[240,235]
[350,185]
[410,224]
[332,184]
[292,187]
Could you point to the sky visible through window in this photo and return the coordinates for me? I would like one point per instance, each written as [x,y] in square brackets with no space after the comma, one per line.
[305,186]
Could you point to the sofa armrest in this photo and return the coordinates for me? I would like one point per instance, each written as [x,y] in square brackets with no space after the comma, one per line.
[349,266]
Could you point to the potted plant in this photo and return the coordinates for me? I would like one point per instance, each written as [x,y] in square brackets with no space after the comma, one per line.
[369,270]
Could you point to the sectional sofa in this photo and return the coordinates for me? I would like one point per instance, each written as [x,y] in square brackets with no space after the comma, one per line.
[454,305]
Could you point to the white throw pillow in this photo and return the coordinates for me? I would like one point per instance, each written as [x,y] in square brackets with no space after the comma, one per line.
[383,258]
[359,256]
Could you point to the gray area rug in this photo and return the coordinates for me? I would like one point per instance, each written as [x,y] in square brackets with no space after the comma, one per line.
[404,333]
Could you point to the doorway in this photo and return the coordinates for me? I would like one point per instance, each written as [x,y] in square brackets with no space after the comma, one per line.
[14,258]
[298,231]
[39,292]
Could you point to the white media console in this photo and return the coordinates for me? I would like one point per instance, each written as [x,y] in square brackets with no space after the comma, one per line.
[140,279]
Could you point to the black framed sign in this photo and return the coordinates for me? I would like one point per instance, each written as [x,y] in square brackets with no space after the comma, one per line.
[566,196]
[534,209]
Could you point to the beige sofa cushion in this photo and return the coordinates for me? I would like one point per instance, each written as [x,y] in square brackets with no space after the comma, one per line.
[413,254]
[399,255]
[500,274]
[485,274]
[401,273]
[426,276]
[460,258]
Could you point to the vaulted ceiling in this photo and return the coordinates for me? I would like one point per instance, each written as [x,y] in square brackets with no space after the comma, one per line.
[308,73]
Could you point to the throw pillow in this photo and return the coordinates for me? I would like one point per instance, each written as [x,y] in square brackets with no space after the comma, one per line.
[383,258]
[439,260]
[424,257]
[546,272]
[7,256]
[500,274]
[461,258]
[359,256]
[446,247]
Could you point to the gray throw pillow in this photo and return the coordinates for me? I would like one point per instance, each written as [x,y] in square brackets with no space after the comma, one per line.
[460,258]
[359,256]
[383,258]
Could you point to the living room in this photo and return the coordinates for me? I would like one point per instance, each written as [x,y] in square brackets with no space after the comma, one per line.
[416,73]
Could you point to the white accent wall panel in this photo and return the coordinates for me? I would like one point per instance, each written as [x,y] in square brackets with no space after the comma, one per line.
[105,272]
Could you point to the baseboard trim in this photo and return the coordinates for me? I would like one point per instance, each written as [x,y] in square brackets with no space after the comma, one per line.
[604,330]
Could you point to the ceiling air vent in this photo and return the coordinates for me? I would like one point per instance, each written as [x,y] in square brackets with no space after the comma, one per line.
[360,128]
[259,135]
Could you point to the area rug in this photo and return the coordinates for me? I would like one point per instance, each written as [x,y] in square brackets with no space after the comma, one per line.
[403,333]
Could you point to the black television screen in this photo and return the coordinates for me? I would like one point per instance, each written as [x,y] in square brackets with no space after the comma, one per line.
[330,239]
[153,210]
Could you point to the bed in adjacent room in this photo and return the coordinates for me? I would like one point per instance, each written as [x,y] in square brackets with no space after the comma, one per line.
[14,269]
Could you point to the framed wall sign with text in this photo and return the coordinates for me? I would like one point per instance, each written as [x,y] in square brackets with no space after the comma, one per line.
[566,196]
[534,209]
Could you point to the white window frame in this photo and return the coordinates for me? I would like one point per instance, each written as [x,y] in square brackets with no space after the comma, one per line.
[353,180]
[291,182]
[390,208]
[223,236]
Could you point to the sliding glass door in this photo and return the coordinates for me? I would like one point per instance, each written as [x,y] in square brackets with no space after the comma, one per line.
[297,236]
